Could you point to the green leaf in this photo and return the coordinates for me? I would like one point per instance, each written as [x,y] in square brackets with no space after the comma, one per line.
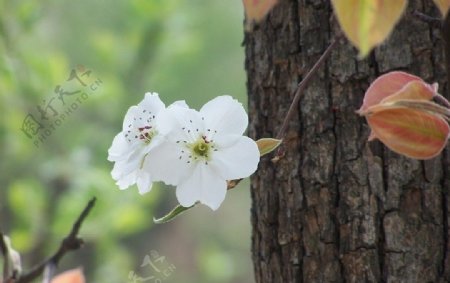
[172,214]
[367,23]
[267,145]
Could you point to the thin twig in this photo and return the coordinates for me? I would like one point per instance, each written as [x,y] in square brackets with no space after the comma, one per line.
[435,22]
[446,36]
[442,100]
[71,242]
[304,83]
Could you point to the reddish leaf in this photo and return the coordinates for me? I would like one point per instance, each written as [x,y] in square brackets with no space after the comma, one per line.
[70,276]
[411,132]
[401,112]
[256,10]
[415,94]
[415,90]
[384,86]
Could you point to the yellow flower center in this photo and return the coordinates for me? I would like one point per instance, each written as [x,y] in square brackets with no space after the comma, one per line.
[201,148]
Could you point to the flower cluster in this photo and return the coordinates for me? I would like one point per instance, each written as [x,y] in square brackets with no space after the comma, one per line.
[196,151]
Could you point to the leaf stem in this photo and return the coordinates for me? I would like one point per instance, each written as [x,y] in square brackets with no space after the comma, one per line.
[304,83]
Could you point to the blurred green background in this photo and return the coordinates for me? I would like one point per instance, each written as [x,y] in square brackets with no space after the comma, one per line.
[181,49]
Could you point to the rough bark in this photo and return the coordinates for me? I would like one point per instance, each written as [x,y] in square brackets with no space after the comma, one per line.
[337,208]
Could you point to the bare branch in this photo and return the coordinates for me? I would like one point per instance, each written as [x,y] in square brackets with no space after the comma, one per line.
[433,21]
[70,243]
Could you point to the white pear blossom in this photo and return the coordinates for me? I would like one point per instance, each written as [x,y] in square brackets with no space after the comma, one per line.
[140,134]
[202,150]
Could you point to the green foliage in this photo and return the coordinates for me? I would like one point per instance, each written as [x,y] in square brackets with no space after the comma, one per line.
[183,50]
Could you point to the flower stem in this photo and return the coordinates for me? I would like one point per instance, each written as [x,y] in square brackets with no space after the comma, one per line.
[304,83]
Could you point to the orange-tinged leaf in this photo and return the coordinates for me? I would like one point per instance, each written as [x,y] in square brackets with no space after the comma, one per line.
[267,145]
[415,94]
[411,132]
[70,276]
[256,10]
[384,86]
[367,23]
[415,90]
[443,6]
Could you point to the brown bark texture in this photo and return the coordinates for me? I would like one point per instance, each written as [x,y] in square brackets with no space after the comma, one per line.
[337,208]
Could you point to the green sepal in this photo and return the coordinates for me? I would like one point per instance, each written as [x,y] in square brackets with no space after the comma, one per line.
[172,214]
[267,145]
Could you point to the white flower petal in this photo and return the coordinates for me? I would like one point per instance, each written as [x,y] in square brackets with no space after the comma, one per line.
[163,164]
[156,140]
[143,182]
[225,115]
[147,111]
[133,162]
[121,169]
[119,149]
[203,185]
[129,118]
[117,171]
[180,103]
[237,161]
[225,140]
[180,123]
[126,181]
[151,103]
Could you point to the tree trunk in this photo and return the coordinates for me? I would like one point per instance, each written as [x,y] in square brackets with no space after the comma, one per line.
[337,208]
